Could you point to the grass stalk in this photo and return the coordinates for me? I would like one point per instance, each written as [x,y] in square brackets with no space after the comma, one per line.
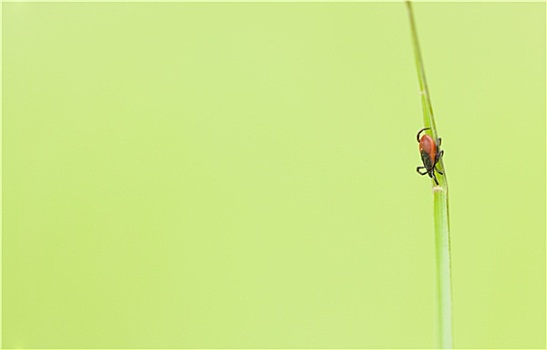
[443,305]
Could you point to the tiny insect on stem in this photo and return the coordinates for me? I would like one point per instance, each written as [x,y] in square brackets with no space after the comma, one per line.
[431,154]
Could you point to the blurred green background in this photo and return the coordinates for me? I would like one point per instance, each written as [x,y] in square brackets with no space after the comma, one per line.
[243,175]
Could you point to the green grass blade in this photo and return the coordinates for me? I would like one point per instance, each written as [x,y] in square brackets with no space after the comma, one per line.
[443,317]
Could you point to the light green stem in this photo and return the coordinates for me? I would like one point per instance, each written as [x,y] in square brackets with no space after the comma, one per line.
[444,285]
[443,307]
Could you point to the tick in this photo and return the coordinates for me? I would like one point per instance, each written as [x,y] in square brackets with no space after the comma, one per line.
[431,154]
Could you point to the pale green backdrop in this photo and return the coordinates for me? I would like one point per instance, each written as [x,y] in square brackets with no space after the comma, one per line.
[243,175]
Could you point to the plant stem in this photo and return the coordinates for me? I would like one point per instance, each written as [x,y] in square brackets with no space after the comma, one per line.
[443,312]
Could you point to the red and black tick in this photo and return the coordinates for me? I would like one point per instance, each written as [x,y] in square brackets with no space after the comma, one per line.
[431,154]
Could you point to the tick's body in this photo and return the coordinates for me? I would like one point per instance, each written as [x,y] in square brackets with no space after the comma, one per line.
[431,154]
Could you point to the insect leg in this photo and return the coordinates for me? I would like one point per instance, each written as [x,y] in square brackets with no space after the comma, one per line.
[421,168]
[435,178]
[437,157]
[419,132]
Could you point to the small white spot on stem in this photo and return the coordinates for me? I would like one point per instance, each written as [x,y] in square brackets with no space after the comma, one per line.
[437,189]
